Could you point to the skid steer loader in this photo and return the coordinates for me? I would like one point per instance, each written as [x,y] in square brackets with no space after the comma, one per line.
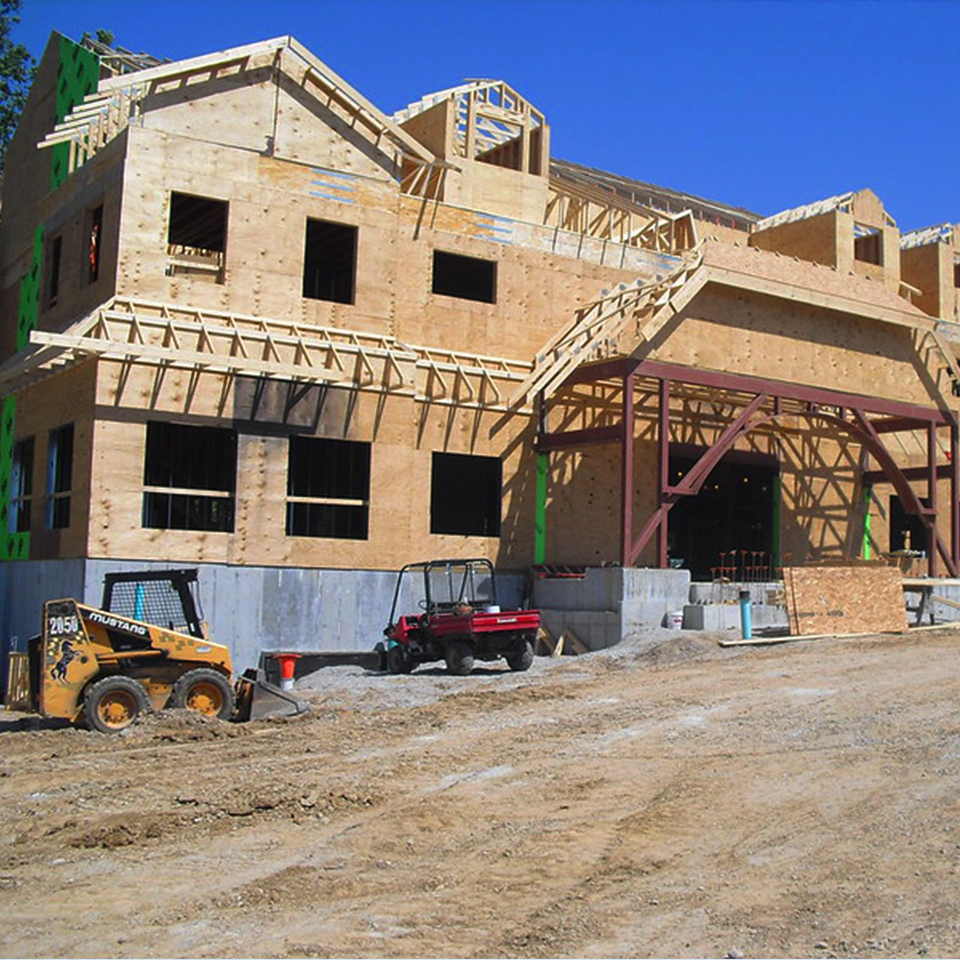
[144,648]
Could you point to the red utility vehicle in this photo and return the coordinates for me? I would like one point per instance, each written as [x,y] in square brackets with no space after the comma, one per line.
[459,621]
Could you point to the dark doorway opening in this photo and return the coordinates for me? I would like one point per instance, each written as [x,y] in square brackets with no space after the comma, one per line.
[907,530]
[734,511]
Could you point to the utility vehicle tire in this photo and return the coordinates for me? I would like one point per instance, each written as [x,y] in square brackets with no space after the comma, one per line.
[399,660]
[522,657]
[206,691]
[114,703]
[459,658]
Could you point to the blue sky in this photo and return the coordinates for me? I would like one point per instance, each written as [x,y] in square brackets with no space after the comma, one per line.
[759,104]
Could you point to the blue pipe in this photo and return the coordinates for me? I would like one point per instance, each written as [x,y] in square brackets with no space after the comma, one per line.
[746,627]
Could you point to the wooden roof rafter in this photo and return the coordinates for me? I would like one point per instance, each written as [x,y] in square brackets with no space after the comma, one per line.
[590,210]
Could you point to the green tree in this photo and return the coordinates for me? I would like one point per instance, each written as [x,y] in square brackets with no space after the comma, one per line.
[17,69]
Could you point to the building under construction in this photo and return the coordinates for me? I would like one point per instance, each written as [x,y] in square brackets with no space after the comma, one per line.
[252,322]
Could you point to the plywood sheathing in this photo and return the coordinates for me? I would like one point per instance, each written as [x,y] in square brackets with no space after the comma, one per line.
[823,232]
[929,260]
[832,600]
[69,398]
[403,435]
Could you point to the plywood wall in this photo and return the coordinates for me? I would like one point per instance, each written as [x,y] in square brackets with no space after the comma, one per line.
[814,239]
[67,398]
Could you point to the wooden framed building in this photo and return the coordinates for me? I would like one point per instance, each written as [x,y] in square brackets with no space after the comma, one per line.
[253,322]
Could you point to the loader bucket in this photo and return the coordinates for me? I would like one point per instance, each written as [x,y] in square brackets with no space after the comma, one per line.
[258,698]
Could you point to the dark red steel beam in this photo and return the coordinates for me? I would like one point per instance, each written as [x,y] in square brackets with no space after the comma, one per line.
[626,470]
[897,424]
[694,478]
[932,495]
[789,391]
[603,370]
[944,471]
[907,494]
[913,414]
[955,490]
[663,470]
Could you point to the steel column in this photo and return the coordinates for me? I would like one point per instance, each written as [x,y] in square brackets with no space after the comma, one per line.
[955,490]
[626,471]
[932,497]
[663,469]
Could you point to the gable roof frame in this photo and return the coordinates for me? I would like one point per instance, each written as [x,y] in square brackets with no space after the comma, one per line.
[117,101]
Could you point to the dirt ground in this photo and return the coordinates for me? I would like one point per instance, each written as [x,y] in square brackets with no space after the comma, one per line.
[666,798]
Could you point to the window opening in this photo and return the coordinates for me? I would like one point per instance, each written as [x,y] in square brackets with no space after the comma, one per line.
[867,244]
[465,494]
[59,477]
[53,277]
[328,488]
[189,477]
[329,261]
[956,272]
[94,243]
[197,236]
[468,278]
[21,485]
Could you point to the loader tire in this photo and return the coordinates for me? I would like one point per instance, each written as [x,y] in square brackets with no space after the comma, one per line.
[459,658]
[522,658]
[206,691]
[114,703]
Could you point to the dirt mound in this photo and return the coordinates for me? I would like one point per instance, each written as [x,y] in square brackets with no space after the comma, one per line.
[679,649]
[181,726]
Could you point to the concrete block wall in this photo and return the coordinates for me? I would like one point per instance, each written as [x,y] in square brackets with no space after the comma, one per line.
[610,602]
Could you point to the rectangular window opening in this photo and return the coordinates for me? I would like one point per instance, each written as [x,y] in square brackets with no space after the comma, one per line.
[21,485]
[189,477]
[329,261]
[867,244]
[465,494]
[956,273]
[328,488]
[468,278]
[94,243]
[53,274]
[197,236]
[59,477]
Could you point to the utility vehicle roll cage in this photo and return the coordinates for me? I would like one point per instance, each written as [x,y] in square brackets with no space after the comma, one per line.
[460,579]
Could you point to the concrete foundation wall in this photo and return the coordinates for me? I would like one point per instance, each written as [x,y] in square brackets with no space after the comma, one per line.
[610,602]
[250,609]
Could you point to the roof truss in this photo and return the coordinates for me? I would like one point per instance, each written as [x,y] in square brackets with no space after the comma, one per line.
[173,337]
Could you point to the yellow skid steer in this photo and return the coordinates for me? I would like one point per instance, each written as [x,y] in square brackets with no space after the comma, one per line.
[144,648]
